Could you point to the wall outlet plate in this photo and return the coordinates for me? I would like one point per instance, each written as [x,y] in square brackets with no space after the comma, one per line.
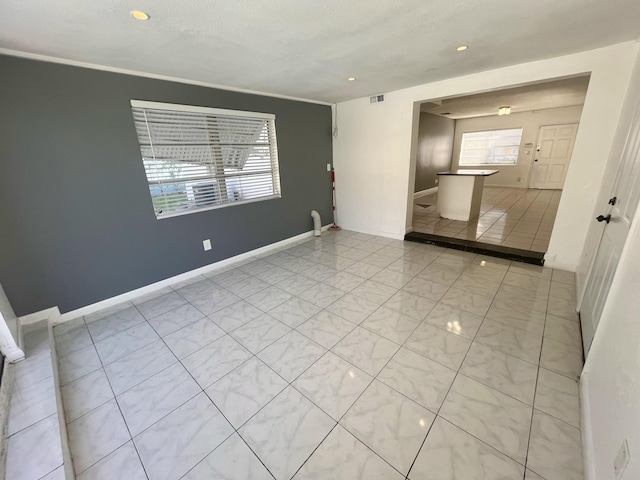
[328,167]
[206,244]
[622,460]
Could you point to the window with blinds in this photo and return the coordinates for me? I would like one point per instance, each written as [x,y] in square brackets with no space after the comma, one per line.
[495,147]
[199,158]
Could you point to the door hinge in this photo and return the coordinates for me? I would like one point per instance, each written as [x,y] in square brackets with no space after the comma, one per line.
[612,201]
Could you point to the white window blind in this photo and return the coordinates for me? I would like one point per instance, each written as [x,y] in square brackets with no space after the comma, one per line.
[496,147]
[199,158]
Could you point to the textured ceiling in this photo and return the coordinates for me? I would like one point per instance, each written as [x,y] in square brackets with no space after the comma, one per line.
[569,92]
[307,48]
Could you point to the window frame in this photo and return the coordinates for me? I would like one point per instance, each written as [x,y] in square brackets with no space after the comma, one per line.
[514,164]
[273,152]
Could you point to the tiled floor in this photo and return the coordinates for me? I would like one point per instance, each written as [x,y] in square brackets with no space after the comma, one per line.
[34,450]
[512,217]
[345,357]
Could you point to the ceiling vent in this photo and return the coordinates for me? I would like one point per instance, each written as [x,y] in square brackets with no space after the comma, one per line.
[377,98]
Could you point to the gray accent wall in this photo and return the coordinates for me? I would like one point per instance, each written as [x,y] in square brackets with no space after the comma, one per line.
[435,148]
[76,220]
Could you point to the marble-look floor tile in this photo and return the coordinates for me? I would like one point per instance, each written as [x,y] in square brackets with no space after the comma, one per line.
[353,308]
[563,330]
[294,312]
[215,299]
[157,396]
[34,451]
[563,290]
[558,396]
[140,299]
[390,424]
[236,315]
[268,298]
[443,276]
[505,373]
[193,337]
[103,327]
[286,432]
[233,460]
[260,333]
[322,295]
[517,316]
[178,442]
[319,272]
[136,367]
[247,287]
[510,340]
[212,362]
[422,380]
[78,364]
[85,394]
[426,288]
[333,384]
[529,475]
[469,302]
[561,307]
[531,270]
[30,404]
[493,417]
[410,304]
[175,319]
[344,281]
[454,320]
[341,456]
[33,369]
[478,285]
[391,324]
[192,288]
[274,275]
[242,392]
[126,342]
[366,350]
[451,453]
[123,463]
[374,292]
[529,299]
[73,340]
[326,328]
[96,434]
[561,358]
[392,278]
[228,278]
[443,347]
[57,474]
[104,313]
[159,305]
[291,355]
[296,284]
[526,282]
[563,277]
[555,450]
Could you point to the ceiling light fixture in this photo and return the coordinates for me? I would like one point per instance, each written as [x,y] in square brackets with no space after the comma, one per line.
[504,110]
[351,79]
[462,48]
[139,15]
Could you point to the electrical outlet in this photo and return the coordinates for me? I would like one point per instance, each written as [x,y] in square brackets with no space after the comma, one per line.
[437,180]
[519,179]
[328,167]
[206,244]
[622,460]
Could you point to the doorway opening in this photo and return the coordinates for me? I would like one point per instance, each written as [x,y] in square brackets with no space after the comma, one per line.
[522,136]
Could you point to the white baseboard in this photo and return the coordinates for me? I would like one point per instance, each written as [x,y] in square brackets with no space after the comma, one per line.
[424,193]
[408,229]
[552,263]
[370,231]
[54,317]
[34,317]
[585,429]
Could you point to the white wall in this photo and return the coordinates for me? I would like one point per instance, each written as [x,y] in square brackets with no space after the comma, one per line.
[611,376]
[530,122]
[374,155]
[610,381]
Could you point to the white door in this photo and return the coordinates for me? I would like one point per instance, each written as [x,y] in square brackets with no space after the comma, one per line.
[553,154]
[621,208]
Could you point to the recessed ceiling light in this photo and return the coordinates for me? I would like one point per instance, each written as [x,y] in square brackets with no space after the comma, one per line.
[138,15]
[462,48]
[351,79]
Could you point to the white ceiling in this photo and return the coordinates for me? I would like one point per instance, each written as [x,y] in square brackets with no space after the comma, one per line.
[307,48]
[568,92]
